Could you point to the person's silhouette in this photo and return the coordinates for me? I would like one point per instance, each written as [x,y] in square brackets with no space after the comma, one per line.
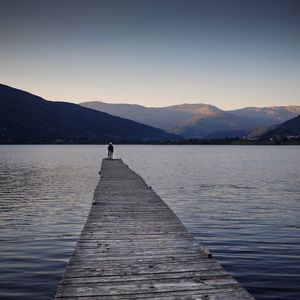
[110,149]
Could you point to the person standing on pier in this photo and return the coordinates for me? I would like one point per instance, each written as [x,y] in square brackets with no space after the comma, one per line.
[110,149]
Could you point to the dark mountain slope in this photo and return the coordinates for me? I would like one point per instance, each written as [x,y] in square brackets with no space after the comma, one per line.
[288,128]
[28,118]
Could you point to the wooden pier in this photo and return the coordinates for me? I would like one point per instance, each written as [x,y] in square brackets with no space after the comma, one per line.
[134,247]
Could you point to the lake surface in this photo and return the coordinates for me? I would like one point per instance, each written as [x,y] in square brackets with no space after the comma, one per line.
[242,202]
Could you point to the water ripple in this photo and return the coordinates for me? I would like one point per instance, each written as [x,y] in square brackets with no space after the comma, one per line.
[243,203]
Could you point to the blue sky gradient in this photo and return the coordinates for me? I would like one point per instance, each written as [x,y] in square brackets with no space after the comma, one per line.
[155,53]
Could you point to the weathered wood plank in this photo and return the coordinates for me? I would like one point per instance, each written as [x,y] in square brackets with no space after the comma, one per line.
[133,246]
[146,286]
[209,274]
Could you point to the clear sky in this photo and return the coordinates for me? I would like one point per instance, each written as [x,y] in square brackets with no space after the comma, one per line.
[154,52]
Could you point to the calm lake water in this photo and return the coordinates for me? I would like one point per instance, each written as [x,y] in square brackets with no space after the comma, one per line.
[242,202]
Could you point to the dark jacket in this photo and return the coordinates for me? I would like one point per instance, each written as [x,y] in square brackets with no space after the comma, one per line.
[110,148]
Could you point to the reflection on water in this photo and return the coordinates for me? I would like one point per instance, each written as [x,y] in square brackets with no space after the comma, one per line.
[45,194]
[241,202]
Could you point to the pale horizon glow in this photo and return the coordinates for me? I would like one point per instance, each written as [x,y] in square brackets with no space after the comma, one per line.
[231,54]
[219,104]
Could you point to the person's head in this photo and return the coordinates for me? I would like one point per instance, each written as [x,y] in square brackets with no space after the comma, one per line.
[110,143]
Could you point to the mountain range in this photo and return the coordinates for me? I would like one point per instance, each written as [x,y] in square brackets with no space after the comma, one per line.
[201,120]
[26,118]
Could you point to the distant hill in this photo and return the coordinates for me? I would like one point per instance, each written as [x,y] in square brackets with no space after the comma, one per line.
[199,109]
[236,123]
[218,125]
[266,116]
[286,129]
[201,120]
[27,118]
[162,117]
